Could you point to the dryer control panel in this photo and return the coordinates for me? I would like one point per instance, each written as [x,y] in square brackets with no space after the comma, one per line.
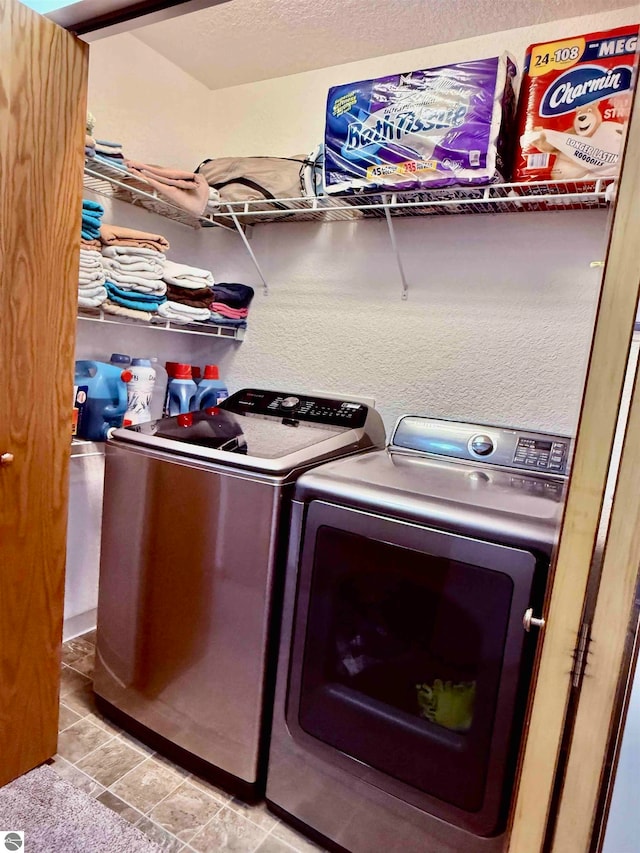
[296,407]
[539,453]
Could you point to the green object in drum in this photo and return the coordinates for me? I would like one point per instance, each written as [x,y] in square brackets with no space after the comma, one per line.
[447,704]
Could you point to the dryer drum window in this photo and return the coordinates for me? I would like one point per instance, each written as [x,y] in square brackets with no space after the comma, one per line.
[406,654]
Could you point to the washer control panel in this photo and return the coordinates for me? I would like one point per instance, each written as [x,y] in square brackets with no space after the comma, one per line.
[510,448]
[295,407]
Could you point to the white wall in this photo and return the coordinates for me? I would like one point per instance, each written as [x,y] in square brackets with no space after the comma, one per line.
[154,108]
[498,323]
[286,115]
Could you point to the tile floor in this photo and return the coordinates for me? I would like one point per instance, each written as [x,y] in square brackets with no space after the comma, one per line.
[176,809]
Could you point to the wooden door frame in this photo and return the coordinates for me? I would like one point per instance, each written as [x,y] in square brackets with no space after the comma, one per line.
[564,612]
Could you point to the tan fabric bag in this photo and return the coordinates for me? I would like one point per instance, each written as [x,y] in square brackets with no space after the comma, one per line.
[255,178]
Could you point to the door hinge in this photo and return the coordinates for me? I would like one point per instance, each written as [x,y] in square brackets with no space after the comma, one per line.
[580,654]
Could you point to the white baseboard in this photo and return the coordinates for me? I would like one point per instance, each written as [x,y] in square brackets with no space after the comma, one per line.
[80,624]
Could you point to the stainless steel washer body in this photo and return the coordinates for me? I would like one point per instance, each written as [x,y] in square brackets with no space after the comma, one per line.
[192,558]
[404,664]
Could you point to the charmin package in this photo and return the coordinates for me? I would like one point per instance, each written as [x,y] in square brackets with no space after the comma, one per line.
[574,106]
[424,129]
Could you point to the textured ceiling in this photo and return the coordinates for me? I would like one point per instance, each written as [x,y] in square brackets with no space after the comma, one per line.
[248,40]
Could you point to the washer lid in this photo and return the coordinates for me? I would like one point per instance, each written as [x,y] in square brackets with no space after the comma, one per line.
[267,431]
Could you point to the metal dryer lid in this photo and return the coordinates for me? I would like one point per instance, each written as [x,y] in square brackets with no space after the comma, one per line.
[268,431]
[443,474]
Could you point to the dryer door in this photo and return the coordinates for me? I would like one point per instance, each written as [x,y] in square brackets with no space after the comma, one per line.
[406,658]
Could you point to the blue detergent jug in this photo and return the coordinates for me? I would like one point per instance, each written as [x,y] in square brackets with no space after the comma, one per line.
[181,390]
[106,403]
[211,389]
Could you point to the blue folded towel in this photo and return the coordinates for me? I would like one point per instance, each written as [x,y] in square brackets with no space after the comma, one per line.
[134,299]
[92,206]
[111,161]
[109,144]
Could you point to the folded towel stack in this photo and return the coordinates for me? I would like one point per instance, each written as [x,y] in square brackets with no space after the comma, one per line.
[91,278]
[189,290]
[230,304]
[134,263]
[184,189]
[110,154]
[92,213]
[89,146]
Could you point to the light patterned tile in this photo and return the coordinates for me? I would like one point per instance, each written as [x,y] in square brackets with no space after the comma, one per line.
[164,839]
[85,664]
[290,836]
[80,739]
[147,784]
[256,814]
[67,718]
[230,832]
[70,680]
[81,700]
[74,650]
[110,762]
[185,811]
[211,789]
[120,807]
[271,844]
[76,777]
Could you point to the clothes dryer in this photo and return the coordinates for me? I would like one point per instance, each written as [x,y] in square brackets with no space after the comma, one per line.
[413,578]
[196,513]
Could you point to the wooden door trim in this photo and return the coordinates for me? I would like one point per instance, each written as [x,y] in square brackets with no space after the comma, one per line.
[596,716]
[594,443]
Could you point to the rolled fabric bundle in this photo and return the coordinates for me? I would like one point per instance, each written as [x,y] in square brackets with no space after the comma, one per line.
[187,190]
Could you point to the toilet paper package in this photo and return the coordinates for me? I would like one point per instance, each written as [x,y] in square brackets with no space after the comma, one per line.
[574,106]
[433,128]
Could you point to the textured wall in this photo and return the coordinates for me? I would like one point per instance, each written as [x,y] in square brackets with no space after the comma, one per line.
[286,115]
[141,99]
[496,328]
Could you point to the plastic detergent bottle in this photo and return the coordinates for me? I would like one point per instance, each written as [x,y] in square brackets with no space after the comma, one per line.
[181,391]
[158,398]
[106,398]
[211,389]
[139,391]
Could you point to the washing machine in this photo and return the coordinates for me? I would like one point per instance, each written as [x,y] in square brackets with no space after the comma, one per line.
[415,581]
[196,512]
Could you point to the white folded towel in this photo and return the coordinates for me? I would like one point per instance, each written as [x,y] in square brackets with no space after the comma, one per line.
[86,277]
[90,254]
[91,289]
[183,314]
[133,252]
[92,301]
[140,270]
[184,276]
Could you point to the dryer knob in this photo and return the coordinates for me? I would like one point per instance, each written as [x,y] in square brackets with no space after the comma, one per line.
[289,403]
[482,445]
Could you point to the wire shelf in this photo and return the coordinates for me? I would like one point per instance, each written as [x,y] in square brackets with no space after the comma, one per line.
[494,198]
[111,182]
[159,324]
